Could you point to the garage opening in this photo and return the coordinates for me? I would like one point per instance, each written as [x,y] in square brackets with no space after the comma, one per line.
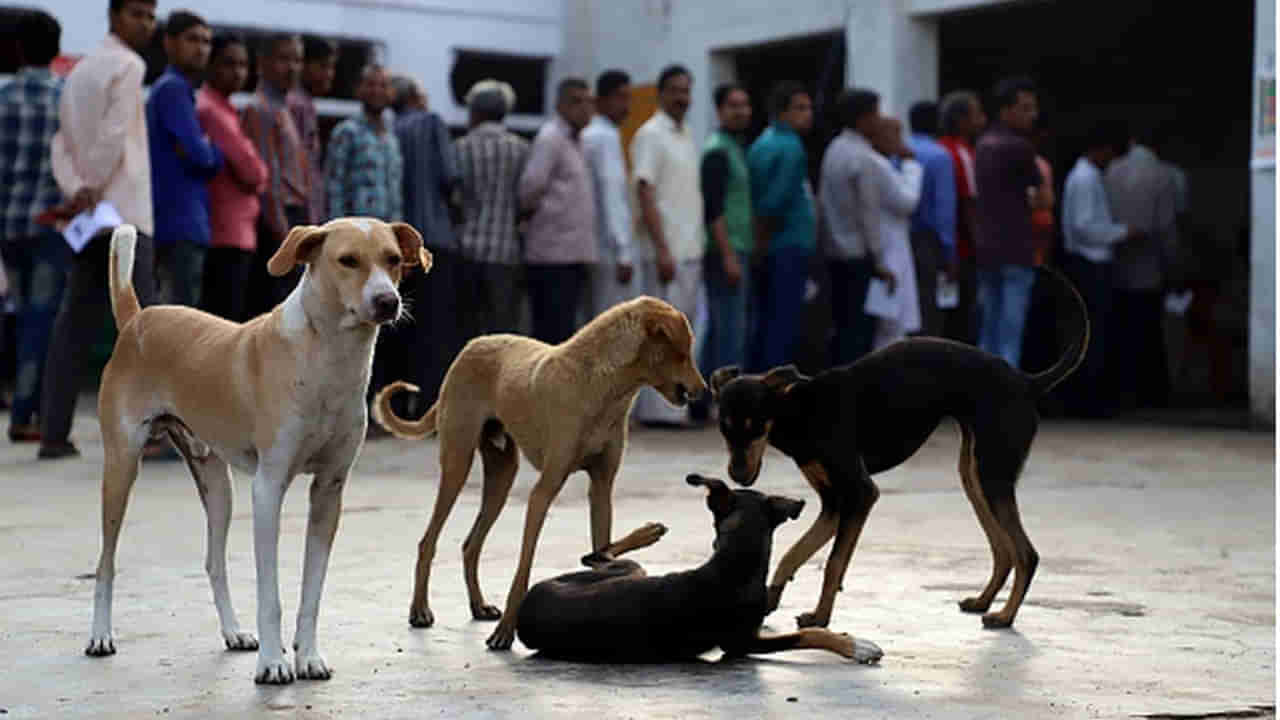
[1185,72]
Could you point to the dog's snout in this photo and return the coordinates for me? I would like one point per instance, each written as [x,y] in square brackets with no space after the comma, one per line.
[386,306]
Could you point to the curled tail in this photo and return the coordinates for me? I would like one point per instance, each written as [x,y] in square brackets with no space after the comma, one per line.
[124,299]
[396,425]
[1073,355]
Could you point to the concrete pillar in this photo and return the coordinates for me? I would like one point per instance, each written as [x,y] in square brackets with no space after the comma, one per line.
[1262,285]
[893,52]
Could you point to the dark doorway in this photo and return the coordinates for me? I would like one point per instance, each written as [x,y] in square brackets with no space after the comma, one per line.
[1145,61]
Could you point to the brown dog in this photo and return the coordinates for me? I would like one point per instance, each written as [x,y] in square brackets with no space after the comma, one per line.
[280,395]
[565,405]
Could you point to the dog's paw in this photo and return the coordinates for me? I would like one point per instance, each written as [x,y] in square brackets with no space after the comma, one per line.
[996,621]
[240,640]
[273,672]
[421,617]
[501,638]
[864,651]
[486,612]
[974,605]
[312,667]
[100,646]
[811,619]
[651,533]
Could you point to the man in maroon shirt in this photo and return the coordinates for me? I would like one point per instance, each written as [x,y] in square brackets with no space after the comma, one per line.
[1005,242]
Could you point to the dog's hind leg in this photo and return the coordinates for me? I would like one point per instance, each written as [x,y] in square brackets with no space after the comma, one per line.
[213,482]
[1001,546]
[457,452]
[998,472]
[123,448]
[822,530]
[500,464]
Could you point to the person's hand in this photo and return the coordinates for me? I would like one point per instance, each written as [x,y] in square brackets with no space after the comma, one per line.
[666,267]
[732,270]
[625,270]
[85,198]
[887,276]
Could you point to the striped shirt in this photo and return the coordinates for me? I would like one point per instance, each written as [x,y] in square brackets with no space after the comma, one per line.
[365,171]
[491,161]
[28,120]
[269,124]
[303,108]
[430,170]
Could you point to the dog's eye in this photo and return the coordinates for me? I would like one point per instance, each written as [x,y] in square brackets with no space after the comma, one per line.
[349,261]
[393,260]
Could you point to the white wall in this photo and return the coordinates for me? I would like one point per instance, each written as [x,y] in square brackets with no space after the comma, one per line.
[419,35]
[1262,286]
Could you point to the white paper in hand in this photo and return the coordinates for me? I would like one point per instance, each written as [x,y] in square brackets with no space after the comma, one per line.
[948,293]
[880,302]
[84,226]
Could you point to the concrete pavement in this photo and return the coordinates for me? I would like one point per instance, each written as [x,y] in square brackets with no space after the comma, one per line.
[1155,594]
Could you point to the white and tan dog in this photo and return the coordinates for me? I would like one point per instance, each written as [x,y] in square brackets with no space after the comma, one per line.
[280,395]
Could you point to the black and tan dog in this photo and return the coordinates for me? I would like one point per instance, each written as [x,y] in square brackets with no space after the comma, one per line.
[849,423]
[614,612]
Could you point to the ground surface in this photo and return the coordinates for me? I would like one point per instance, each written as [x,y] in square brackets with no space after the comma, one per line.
[1156,591]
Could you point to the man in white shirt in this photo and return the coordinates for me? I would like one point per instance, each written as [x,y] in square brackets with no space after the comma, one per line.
[100,154]
[1143,194]
[850,193]
[1090,237]
[609,281]
[669,249]
[900,179]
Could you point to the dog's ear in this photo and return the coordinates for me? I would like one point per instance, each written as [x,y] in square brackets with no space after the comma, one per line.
[784,508]
[411,246]
[721,377]
[719,496]
[669,324]
[299,247]
[781,378]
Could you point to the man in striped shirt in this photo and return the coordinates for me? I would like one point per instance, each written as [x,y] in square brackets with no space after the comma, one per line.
[268,122]
[490,160]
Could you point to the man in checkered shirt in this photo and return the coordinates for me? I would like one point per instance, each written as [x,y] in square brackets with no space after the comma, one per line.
[36,257]
[490,161]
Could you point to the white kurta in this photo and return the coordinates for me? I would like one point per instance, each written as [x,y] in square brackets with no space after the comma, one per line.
[900,193]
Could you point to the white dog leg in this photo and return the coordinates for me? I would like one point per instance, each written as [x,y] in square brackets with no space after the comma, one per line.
[268,493]
[322,524]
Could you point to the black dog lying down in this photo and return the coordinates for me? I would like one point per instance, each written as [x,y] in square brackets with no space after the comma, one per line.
[614,612]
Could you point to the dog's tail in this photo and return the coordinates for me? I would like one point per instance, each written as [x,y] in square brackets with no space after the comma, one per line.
[396,425]
[1071,358]
[124,299]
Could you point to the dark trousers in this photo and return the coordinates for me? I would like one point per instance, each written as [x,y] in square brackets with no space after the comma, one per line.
[926,249]
[961,322]
[727,337]
[778,296]
[489,295]
[265,291]
[1087,392]
[554,294]
[854,328]
[1139,362]
[81,318]
[419,350]
[226,283]
[180,273]
[37,271]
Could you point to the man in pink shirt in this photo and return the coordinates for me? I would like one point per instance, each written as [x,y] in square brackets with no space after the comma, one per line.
[233,193]
[100,153]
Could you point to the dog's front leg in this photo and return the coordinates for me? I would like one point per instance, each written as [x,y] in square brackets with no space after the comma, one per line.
[269,485]
[322,525]
[842,644]
[544,492]
[602,472]
[860,494]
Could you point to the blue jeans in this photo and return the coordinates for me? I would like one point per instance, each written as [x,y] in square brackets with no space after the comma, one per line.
[37,268]
[726,342]
[778,295]
[1004,294]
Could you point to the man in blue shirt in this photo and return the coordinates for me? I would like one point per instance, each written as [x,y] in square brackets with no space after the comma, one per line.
[786,228]
[933,225]
[183,160]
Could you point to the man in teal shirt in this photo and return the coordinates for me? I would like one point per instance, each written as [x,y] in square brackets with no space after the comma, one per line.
[726,201]
[786,237]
